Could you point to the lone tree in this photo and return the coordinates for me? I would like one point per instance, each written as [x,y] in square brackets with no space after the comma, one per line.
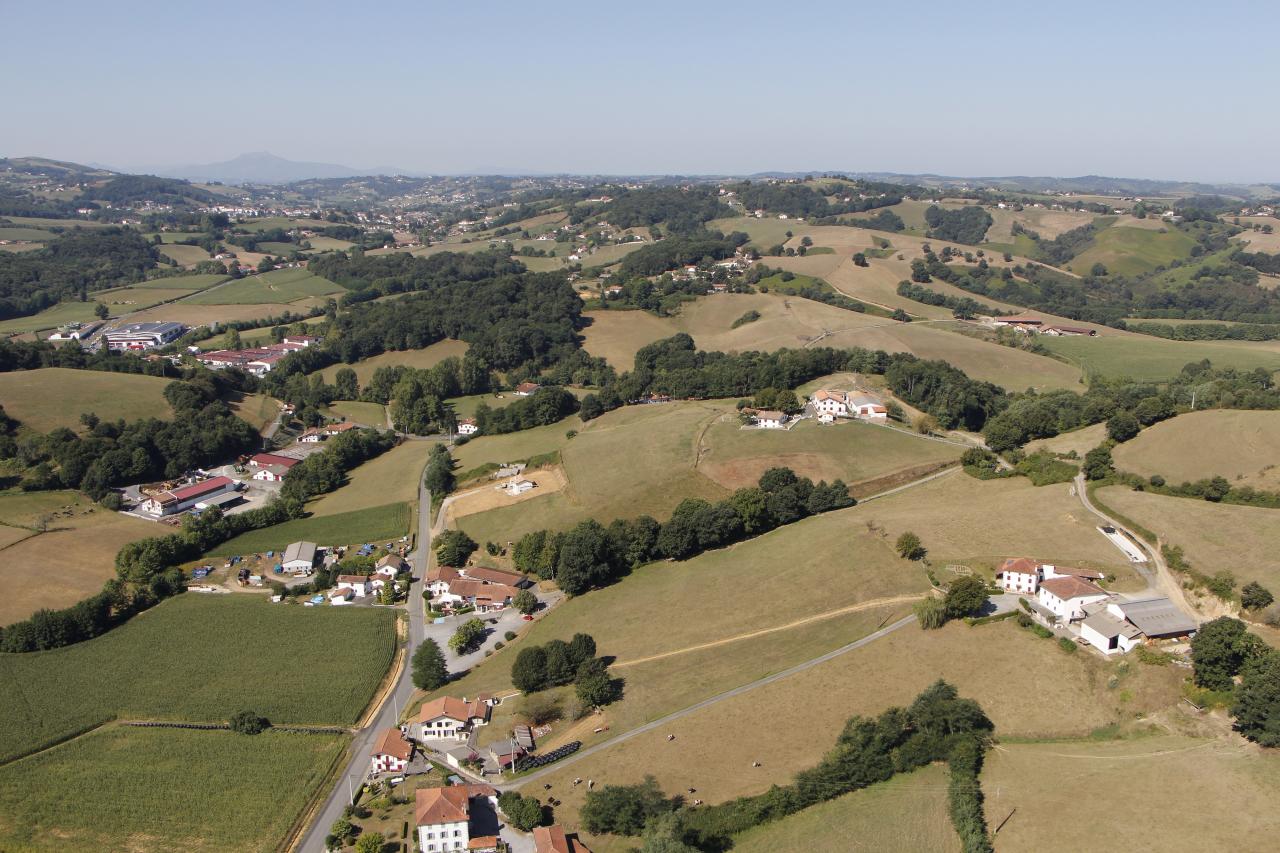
[1257,706]
[1218,651]
[909,547]
[930,612]
[249,723]
[594,686]
[370,843]
[1255,596]
[525,601]
[524,812]
[429,669]
[967,595]
[467,637]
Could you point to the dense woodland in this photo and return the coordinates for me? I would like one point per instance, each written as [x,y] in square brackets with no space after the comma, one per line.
[74,265]
[967,225]
[687,249]
[125,190]
[682,209]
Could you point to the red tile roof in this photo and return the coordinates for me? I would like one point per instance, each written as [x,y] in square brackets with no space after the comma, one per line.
[552,839]
[264,459]
[1021,565]
[1071,587]
[195,490]
[393,743]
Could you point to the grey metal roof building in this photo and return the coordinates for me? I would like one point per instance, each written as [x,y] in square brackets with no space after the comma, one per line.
[1157,617]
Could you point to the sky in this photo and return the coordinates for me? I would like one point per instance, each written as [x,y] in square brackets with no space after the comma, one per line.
[1168,89]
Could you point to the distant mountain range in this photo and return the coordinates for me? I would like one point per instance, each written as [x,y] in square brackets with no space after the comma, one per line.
[261,167]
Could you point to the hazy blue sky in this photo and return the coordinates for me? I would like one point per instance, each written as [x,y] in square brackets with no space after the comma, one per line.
[1169,89]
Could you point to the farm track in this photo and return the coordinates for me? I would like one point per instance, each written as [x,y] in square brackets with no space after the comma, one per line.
[817,617]
[706,703]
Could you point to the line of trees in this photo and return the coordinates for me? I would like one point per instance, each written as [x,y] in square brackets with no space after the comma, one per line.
[937,726]
[592,555]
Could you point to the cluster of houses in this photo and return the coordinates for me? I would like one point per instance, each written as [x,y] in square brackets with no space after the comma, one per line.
[1034,325]
[347,588]
[831,405]
[487,590]
[256,360]
[1068,598]
[456,817]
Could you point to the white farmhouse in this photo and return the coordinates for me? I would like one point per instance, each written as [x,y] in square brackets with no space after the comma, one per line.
[1066,597]
[770,419]
[443,818]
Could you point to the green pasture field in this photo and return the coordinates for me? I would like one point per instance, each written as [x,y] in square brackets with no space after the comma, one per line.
[266,223]
[287,285]
[169,789]
[185,255]
[417,358]
[1133,251]
[129,299]
[513,446]
[370,414]
[1243,540]
[57,396]
[1244,448]
[202,281]
[45,223]
[393,476]
[258,410]
[372,524]
[29,234]
[604,255]
[328,244]
[176,662]
[51,318]
[279,248]
[1151,359]
[906,814]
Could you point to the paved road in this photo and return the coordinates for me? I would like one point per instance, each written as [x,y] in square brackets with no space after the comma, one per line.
[387,716]
[706,703]
[1161,580]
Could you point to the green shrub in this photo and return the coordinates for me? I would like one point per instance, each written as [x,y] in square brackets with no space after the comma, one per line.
[1067,645]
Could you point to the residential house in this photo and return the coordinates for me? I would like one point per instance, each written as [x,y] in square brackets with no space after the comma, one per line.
[468,426]
[338,429]
[443,817]
[484,597]
[1065,597]
[186,497]
[299,557]
[1021,324]
[497,576]
[552,839]
[524,389]
[314,435]
[833,403]
[360,585]
[770,419]
[390,566]
[439,578]
[447,717]
[1019,575]
[271,473]
[341,596]
[392,752]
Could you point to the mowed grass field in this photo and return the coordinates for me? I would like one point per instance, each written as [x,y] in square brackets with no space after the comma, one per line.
[854,452]
[136,789]
[1133,251]
[760,605]
[393,476]
[1028,686]
[258,410]
[57,396]
[278,286]
[1243,446]
[1151,359]
[906,814]
[418,358]
[1243,540]
[603,481]
[50,318]
[372,414]
[794,322]
[177,662]
[1061,790]
[185,282]
[1080,440]
[379,523]
[65,564]
[185,255]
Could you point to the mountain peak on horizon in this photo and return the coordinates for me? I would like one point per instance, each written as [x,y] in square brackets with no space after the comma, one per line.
[259,167]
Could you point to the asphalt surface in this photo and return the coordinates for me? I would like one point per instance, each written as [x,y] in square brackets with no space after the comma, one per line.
[395,700]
